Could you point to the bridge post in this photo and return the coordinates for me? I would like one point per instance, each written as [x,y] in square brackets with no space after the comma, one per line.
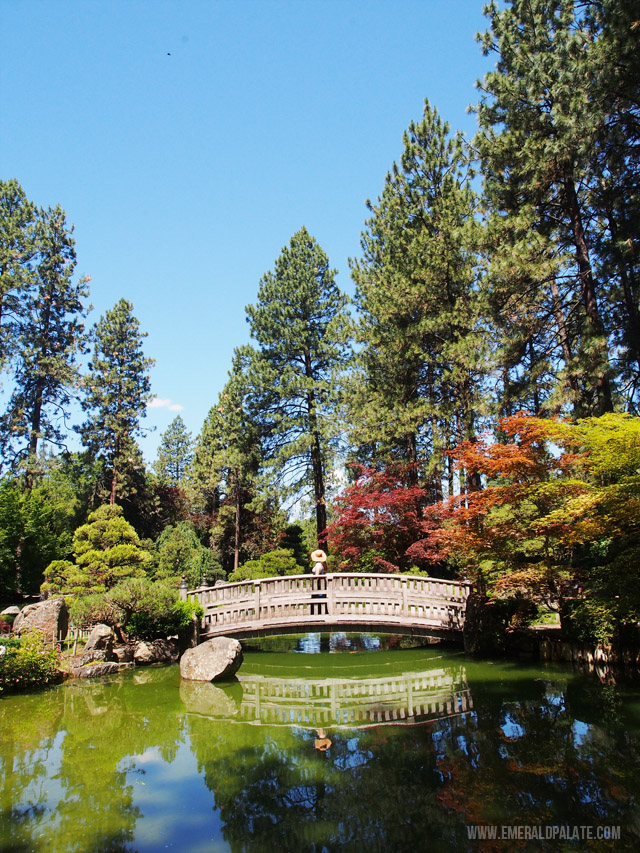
[182,589]
[256,589]
[330,594]
[405,595]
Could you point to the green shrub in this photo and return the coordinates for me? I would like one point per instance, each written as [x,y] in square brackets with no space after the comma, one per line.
[589,620]
[142,609]
[160,617]
[31,663]
[272,564]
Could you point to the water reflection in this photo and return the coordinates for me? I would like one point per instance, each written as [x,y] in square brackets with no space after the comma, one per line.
[407,698]
[142,762]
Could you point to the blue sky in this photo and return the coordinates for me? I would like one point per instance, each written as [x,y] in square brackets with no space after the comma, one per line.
[185,174]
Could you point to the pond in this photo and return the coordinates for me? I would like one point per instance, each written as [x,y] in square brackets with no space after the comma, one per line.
[325,744]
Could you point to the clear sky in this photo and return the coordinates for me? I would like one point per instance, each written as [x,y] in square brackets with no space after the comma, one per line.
[187,141]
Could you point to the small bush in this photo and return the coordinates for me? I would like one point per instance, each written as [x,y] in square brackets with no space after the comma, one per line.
[159,618]
[589,620]
[272,564]
[29,664]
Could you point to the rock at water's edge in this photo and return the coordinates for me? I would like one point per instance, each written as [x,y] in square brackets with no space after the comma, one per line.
[213,660]
[97,669]
[155,651]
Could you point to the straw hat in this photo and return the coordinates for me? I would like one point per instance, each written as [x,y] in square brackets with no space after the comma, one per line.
[318,556]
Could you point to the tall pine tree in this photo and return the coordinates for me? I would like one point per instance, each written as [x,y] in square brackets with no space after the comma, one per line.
[552,116]
[175,453]
[418,388]
[49,333]
[224,475]
[117,389]
[300,326]
[17,249]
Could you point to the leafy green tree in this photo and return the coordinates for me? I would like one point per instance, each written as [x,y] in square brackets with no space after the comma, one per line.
[35,528]
[17,218]
[417,388]
[300,326]
[50,334]
[117,389]
[107,550]
[175,453]
[225,474]
[179,552]
[276,563]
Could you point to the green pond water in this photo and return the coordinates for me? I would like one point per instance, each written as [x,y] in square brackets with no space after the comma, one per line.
[335,746]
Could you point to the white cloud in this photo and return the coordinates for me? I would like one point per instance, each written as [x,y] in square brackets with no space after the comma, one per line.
[161,403]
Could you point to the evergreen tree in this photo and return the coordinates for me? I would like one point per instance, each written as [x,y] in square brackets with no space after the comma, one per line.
[615,187]
[421,360]
[551,119]
[175,453]
[117,389]
[107,550]
[179,552]
[17,218]
[299,323]
[49,335]
[225,472]
[35,528]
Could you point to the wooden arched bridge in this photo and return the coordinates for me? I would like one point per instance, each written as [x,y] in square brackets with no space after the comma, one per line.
[399,604]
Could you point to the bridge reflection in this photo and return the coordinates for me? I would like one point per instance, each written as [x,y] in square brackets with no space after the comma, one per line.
[406,699]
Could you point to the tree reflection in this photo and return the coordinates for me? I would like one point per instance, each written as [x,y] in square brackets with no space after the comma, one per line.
[519,757]
[64,761]
[529,747]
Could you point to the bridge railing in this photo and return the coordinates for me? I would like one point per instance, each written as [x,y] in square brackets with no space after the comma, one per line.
[403,601]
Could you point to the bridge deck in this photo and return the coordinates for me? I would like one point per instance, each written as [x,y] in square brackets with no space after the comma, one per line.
[404,604]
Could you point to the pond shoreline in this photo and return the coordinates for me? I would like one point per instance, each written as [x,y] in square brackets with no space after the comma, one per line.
[546,644]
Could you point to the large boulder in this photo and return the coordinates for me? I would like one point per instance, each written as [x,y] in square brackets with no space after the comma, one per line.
[214,660]
[155,651]
[100,639]
[51,617]
[11,611]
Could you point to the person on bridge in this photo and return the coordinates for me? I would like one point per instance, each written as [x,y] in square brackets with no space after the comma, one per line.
[319,558]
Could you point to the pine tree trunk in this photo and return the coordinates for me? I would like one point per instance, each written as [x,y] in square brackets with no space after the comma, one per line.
[114,473]
[316,461]
[566,347]
[236,536]
[36,421]
[629,292]
[588,293]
